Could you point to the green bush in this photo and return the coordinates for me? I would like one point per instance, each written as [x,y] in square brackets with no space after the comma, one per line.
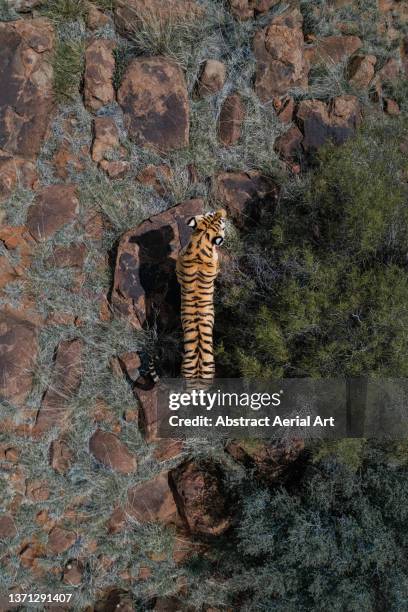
[329,268]
[337,542]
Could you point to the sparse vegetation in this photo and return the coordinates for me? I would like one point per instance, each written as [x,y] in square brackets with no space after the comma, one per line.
[60,11]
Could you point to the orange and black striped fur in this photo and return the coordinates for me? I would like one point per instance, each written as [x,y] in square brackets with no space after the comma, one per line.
[197,268]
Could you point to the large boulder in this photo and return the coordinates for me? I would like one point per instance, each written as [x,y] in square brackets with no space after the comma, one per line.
[152,501]
[145,280]
[54,207]
[18,352]
[200,497]
[321,123]
[131,14]
[26,95]
[245,194]
[154,99]
[99,71]
[281,63]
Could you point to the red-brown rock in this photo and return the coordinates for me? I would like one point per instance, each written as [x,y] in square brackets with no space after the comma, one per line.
[281,64]
[37,490]
[26,96]
[148,413]
[66,378]
[73,574]
[334,122]
[116,168]
[109,450]
[390,72]
[14,238]
[66,161]
[157,177]
[71,256]
[130,364]
[200,497]
[289,144]
[8,527]
[99,71]
[130,14]
[95,18]
[152,501]
[284,108]
[271,462]
[245,194]
[60,540]
[154,99]
[106,138]
[333,49]
[54,207]
[18,352]
[391,107]
[167,449]
[61,456]
[361,70]
[15,171]
[232,116]
[117,520]
[212,78]
[245,9]
[145,266]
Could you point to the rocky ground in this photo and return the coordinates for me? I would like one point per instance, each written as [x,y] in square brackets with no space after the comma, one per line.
[119,121]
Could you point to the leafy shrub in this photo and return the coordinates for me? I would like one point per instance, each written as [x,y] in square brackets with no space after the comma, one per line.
[329,268]
[337,542]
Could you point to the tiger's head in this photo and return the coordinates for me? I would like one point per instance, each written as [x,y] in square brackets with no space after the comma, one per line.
[208,230]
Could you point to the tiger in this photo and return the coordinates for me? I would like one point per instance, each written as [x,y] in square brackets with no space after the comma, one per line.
[197,268]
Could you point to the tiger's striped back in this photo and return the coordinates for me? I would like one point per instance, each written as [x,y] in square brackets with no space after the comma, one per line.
[197,268]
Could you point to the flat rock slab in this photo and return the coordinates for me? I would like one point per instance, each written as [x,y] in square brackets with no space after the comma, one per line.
[145,275]
[99,71]
[54,206]
[66,378]
[18,351]
[109,450]
[154,99]
[152,501]
[26,96]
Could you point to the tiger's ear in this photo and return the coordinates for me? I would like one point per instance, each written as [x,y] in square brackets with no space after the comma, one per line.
[192,222]
[218,240]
